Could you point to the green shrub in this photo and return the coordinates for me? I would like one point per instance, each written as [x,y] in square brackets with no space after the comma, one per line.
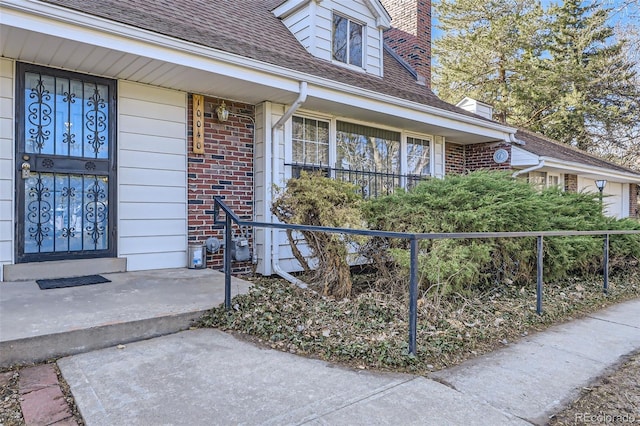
[492,202]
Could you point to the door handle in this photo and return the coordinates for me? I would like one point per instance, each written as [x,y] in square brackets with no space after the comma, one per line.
[26,170]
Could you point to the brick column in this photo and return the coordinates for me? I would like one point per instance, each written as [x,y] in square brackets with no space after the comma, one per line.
[225,169]
[633,200]
[571,183]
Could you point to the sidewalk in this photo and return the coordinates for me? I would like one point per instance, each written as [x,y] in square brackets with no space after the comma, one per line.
[204,377]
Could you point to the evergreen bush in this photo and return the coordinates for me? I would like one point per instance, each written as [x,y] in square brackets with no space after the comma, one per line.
[486,201]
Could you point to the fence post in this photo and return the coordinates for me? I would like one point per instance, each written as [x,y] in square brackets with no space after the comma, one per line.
[540,277]
[605,289]
[413,297]
[227,262]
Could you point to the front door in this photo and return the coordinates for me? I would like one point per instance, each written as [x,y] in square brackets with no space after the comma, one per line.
[65,165]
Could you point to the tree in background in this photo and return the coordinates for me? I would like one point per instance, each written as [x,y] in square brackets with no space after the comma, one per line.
[488,52]
[593,78]
[560,71]
[622,143]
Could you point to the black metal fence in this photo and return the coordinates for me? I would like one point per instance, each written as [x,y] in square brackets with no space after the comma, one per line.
[231,218]
[370,183]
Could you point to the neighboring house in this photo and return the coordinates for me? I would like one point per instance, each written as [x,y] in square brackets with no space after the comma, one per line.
[121,119]
[546,163]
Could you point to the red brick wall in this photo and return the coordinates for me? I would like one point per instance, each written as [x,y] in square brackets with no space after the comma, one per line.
[633,200]
[454,162]
[410,36]
[480,157]
[225,169]
[467,158]
[571,183]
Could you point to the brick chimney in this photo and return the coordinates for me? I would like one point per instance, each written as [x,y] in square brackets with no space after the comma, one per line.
[410,34]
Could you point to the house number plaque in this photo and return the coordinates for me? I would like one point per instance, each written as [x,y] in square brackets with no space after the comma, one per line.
[198,124]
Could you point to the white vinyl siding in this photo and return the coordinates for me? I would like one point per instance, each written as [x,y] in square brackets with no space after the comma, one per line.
[262,171]
[522,159]
[6,162]
[266,115]
[312,26]
[300,23]
[152,176]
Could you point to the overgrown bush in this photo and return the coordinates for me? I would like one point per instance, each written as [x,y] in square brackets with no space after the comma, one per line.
[315,200]
[478,202]
[493,201]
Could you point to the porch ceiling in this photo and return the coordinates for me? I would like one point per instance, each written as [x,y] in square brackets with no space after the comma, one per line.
[43,49]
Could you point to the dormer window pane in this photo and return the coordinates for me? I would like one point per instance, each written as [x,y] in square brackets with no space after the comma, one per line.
[355,44]
[340,25]
[347,41]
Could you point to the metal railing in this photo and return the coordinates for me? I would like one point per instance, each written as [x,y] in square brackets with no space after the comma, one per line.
[231,218]
[370,183]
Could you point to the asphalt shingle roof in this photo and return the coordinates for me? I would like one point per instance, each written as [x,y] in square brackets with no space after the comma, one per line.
[248,28]
[545,147]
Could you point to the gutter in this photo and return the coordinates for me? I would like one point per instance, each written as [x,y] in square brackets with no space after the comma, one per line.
[530,169]
[275,162]
[512,139]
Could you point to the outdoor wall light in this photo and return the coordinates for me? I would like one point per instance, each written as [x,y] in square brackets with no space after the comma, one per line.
[223,112]
[601,183]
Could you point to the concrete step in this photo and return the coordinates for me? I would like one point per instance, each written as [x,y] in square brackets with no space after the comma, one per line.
[63,268]
[38,325]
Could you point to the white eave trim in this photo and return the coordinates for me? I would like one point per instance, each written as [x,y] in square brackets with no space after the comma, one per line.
[15,11]
[289,7]
[383,19]
[580,168]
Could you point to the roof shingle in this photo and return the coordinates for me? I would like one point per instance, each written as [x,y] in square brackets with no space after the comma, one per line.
[545,147]
[249,29]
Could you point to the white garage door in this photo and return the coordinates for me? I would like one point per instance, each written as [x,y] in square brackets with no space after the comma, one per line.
[616,204]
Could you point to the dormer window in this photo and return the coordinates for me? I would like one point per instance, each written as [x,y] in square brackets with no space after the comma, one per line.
[347,40]
[347,33]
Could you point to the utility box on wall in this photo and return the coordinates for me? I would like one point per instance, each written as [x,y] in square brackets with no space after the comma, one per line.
[197,256]
[240,249]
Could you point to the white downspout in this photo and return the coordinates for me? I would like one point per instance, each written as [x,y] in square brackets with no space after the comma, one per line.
[530,169]
[275,163]
[513,139]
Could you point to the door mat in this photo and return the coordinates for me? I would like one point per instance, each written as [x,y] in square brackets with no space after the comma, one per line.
[71,282]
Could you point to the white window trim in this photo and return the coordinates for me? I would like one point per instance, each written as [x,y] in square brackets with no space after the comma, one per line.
[364,25]
[333,146]
[560,177]
[403,150]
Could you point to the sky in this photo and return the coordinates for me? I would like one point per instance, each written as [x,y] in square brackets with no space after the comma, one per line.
[628,14]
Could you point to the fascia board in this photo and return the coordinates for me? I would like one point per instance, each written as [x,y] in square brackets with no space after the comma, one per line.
[289,7]
[78,26]
[579,168]
[383,19]
[400,109]
[112,35]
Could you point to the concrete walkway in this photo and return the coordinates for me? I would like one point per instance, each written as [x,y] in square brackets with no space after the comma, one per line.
[204,377]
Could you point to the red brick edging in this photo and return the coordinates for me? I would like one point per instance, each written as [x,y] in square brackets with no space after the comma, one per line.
[41,398]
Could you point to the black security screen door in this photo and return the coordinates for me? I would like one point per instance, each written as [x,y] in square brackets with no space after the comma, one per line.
[65,165]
